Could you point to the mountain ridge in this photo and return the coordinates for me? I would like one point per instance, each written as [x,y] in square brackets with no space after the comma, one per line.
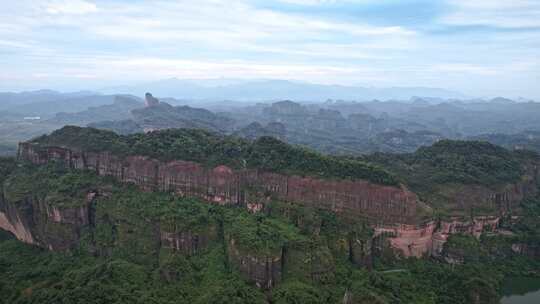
[273,89]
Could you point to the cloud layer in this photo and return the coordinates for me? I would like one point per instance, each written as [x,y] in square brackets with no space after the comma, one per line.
[484,47]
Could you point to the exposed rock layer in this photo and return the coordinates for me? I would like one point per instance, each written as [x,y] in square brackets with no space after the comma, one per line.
[222,185]
[429,238]
[392,210]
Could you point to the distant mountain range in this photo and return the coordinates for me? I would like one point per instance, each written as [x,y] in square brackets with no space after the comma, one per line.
[258,90]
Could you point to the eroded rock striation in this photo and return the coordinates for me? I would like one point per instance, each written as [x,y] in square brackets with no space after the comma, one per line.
[223,185]
[35,220]
[392,211]
[429,238]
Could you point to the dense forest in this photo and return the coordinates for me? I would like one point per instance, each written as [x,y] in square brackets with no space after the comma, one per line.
[117,259]
[448,161]
[211,149]
[270,152]
[439,171]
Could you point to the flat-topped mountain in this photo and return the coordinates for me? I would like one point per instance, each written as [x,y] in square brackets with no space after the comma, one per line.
[209,148]
[269,216]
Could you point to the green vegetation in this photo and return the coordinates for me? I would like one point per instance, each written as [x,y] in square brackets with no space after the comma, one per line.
[465,247]
[260,234]
[7,165]
[468,162]
[29,181]
[529,140]
[32,275]
[212,149]
[52,182]
[452,175]
[269,153]
[448,161]
[529,226]
[120,257]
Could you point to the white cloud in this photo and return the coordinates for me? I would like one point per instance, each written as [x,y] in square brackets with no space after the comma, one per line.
[231,20]
[496,13]
[228,26]
[307,2]
[324,2]
[75,7]
[142,40]
[14,44]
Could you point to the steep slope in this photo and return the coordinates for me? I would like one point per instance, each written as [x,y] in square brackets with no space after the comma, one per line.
[466,177]
[469,185]
[166,248]
[211,149]
[76,210]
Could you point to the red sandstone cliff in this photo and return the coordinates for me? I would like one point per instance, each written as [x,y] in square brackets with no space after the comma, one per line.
[35,221]
[222,185]
[429,238]
[391,210]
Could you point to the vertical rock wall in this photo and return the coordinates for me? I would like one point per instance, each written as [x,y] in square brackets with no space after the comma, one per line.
[429,238]
[222,185]
[392,210]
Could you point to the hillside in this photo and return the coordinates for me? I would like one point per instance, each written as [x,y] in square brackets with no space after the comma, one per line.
[211,149]
[528,140]
[113,243]
[120,109]
[461,176]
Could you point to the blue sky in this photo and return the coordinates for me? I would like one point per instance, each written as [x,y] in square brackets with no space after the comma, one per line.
[479,47]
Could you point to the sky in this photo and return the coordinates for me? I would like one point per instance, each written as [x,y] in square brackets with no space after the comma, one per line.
[478,47]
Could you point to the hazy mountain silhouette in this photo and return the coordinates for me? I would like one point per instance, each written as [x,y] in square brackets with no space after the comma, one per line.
[234,89]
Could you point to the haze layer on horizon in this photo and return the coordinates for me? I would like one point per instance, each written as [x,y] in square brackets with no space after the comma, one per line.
[480,48]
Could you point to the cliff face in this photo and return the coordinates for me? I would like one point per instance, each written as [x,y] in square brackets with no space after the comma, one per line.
[222,185]
[263,270]
[392,210]
[532,251]
[33,220]
[500,199]
[13,221]
[186,242]
[429,238]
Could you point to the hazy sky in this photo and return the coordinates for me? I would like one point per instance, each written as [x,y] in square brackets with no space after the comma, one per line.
[479,47]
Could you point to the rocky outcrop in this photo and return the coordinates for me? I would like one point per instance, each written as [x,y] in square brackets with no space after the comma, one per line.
[392,210]
[36,221]
[529,250]
[360,252]
[161,115]
[264,270]
[150,100]
[13,221]
[500,199]
[429,238]
[222,185]
[187,242]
